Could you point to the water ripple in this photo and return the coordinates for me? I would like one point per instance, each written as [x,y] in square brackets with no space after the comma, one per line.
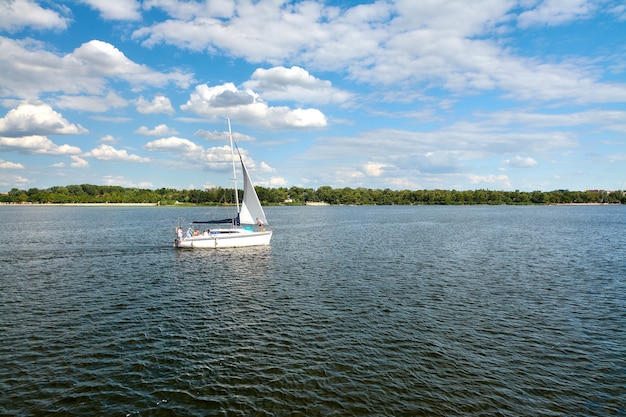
[399,311]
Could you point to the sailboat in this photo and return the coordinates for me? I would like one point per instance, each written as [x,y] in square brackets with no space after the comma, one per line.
[248,228]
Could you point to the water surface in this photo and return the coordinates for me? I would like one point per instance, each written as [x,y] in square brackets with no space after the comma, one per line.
[362,311]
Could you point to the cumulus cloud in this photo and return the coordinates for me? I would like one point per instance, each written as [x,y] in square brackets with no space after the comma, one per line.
[555,12]
[188,10]
[159,104]
[10,165]
[422,58]
[36,145]
[14,181]
[443,149]
[386,156]
[374,169]
[295,84]
[78,162]
[214,158]
[427,45]
[102,58]
[247,107]
[266,168]
[28,68]
[160,130]
[18,14]
[273,182]
[109,153]
[217,158]
[521,162]
[121,181]
[501,180]
[30,119]
[173,144]
[116,10]
[109,139]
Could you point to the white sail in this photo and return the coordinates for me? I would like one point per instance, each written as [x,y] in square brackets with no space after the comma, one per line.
[251,208]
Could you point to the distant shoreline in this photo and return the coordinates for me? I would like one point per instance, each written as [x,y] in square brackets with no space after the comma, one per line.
[84,204]
[309,204]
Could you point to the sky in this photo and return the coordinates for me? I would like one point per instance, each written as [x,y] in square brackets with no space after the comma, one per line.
[399,94]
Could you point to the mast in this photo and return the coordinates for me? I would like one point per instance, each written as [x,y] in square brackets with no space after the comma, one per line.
[232,154]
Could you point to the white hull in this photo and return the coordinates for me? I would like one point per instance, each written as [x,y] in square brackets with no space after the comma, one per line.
[226,238]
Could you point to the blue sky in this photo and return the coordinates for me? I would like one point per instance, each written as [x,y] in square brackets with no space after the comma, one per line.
[493,94]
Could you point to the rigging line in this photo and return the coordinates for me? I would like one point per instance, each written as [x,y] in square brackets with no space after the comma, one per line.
[232,153]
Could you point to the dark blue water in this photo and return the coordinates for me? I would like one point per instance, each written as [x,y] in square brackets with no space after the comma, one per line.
[352,311]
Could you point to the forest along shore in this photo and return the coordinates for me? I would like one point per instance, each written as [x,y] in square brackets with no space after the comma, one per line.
[83,204]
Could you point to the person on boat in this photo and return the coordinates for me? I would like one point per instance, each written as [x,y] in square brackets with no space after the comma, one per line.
[179,232]
[260,224]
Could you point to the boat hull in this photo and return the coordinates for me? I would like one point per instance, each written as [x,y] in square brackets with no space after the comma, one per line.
[230,239]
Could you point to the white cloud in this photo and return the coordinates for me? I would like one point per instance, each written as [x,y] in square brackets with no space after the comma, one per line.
[555,12]
[102,58]
[14,181]
[36,145]
[188,10]
[266,167]
[435,70]
[30,119]
[78,162]
[446,148]
[109,153]
[109,139]
[295,84]
[428,45]
[215,158]
[159,104]
[173,144]
[160,130]
[501,180]
[218,158]
[247,107]
[10,165]
[243,31]
[29,68]
[116,10]
[387,157]
[274,182]
[121,181]
[17,14]
[374,169]
[521,162]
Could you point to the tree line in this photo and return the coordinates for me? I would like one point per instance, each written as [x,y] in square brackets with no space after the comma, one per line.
[88,193]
